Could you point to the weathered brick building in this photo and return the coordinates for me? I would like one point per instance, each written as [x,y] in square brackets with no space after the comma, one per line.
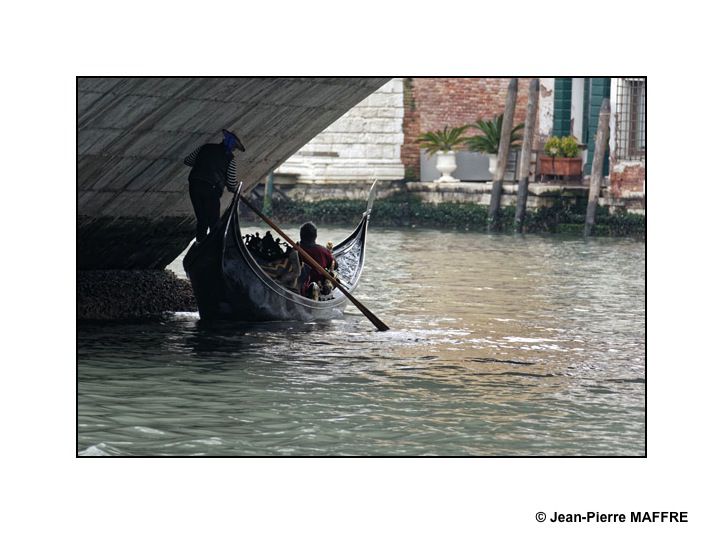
[628,100]
[377,138]
[571,106]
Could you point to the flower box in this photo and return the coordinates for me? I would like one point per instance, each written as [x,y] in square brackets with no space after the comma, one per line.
[560,166]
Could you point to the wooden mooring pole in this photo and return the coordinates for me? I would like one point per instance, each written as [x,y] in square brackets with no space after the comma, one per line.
[528,134]
[601,142]
[503,151]
[267,199]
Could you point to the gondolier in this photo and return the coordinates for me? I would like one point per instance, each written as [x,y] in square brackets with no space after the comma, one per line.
[213,166]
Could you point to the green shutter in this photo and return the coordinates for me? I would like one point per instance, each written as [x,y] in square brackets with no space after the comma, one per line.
[596,89]
[561,112]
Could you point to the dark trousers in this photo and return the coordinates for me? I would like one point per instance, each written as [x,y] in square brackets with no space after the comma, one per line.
[206,204]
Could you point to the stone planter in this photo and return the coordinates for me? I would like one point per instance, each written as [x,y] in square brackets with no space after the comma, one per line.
[446,165]
[560,166]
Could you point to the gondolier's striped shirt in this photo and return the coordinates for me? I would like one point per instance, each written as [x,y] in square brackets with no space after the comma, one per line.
[230,176]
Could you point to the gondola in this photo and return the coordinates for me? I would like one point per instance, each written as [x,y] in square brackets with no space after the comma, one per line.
[230,284]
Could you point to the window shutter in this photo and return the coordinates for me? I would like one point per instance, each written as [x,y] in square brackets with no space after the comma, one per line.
[561,106]
[596,89]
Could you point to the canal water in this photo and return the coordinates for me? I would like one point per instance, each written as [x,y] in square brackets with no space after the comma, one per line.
[499,346]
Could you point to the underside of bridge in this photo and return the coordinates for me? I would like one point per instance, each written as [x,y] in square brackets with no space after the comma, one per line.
[133,133]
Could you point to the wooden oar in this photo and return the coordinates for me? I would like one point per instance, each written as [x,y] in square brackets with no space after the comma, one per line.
[308,259]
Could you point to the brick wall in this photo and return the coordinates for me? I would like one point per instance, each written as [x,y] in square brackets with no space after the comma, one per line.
[627,178]
[435,102]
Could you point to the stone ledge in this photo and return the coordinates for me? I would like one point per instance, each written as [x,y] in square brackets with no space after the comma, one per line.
[539,194]
[309,191]
[534,188]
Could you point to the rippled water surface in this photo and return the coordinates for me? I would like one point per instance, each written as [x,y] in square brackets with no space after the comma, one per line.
[499,345]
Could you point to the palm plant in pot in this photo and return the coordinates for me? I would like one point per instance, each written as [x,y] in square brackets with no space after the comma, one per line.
[488,140]
[443,143]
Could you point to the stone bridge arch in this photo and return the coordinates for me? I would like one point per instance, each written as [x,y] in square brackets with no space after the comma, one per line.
[133,211]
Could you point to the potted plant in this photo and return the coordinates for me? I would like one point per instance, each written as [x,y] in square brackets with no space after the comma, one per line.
[443,143]
[561,157]
[488,141]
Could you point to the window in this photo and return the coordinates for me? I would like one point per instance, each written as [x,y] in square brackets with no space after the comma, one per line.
[630,127]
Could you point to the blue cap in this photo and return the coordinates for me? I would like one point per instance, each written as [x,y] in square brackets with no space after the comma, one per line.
[232,141]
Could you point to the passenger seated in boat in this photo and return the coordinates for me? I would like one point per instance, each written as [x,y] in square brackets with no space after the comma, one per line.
[283,265]
[312,282]
[327,285]
[271,249]
[253,243]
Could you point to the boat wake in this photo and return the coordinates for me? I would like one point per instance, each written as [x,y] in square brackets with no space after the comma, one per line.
[94,450]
